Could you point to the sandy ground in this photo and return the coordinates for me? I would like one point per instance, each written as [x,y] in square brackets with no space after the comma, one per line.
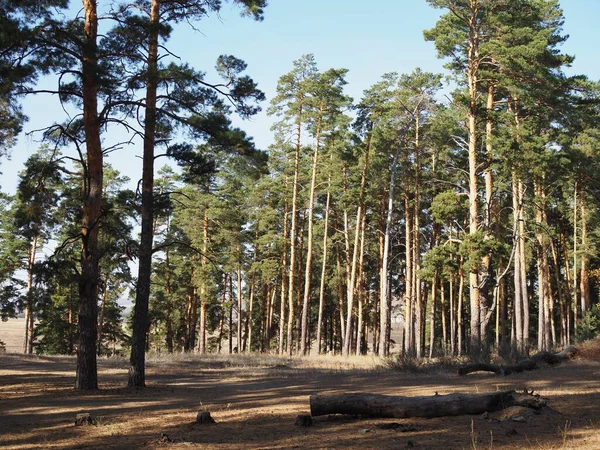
[255,401]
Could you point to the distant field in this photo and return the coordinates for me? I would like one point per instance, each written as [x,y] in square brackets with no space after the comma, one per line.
[11,333]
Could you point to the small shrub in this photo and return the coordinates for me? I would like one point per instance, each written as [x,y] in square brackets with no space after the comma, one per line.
[589,326]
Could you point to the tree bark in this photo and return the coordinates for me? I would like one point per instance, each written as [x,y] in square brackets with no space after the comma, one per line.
[293,229]
[388,406]
[323,270]
[87,370]
[28,342]
[137,360]
[308,265]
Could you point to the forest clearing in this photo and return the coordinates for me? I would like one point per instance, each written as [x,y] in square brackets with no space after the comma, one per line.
[255,399]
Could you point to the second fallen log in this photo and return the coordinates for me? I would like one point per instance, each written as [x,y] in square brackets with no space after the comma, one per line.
[392,406]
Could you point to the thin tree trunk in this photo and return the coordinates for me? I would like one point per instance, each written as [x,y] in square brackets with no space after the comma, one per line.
[308,267]
[203,281]
[518,300]
[29,319]
[432,324]
[102,310]
[284,268]
[384,312]
[584,279]
[575,279]
[222,314]
[459,307]
[561,298]
[239,302]
[408,290]
[323,270]
[354,263]
[360,314]
[293,230]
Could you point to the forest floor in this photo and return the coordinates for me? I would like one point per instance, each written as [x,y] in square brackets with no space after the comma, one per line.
[255,401]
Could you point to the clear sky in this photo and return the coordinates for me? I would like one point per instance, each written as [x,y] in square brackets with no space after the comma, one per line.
[368,38]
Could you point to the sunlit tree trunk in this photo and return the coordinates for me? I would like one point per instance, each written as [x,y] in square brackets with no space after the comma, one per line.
[352,284]
[308,267]
[584,279]
[284,268]
[29,319]
[323,271]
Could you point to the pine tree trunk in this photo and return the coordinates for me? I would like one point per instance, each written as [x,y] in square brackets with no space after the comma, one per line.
[323,270]
[432,322]
[293,230]
[523,267]
[485,272]
[284,268]
[137,360]
[169,298]
[385,310]
[308,267]
[576,315]
[360,321]
[102,310]
[29,319]
[352,284]
[408,290]
[459,307]
[561,297]
[584,279]
[240,319]
[203,281]
[87,371]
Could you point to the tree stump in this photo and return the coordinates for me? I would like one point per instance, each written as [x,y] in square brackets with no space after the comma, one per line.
[303,420]
[83,419]
[204,417]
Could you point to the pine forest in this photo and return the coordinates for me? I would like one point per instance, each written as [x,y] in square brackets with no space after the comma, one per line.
[437,215]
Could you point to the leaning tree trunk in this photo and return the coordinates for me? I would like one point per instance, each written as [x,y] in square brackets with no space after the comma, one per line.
[87,371]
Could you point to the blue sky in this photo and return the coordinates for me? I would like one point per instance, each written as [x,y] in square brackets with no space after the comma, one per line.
[368,38]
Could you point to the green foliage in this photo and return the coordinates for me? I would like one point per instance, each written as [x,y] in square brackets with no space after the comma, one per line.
[589,326]
[475,246]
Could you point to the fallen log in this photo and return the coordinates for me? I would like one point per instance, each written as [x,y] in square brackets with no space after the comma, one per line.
[382,406]
[527,364]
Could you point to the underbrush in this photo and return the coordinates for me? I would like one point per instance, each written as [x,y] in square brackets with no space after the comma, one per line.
[260,360]
[590,349]
[424,365]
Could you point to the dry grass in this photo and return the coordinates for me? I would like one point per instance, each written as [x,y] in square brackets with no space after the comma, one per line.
[11,333]
[590,349]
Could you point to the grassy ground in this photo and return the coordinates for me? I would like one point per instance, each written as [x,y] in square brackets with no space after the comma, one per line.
[255,400]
